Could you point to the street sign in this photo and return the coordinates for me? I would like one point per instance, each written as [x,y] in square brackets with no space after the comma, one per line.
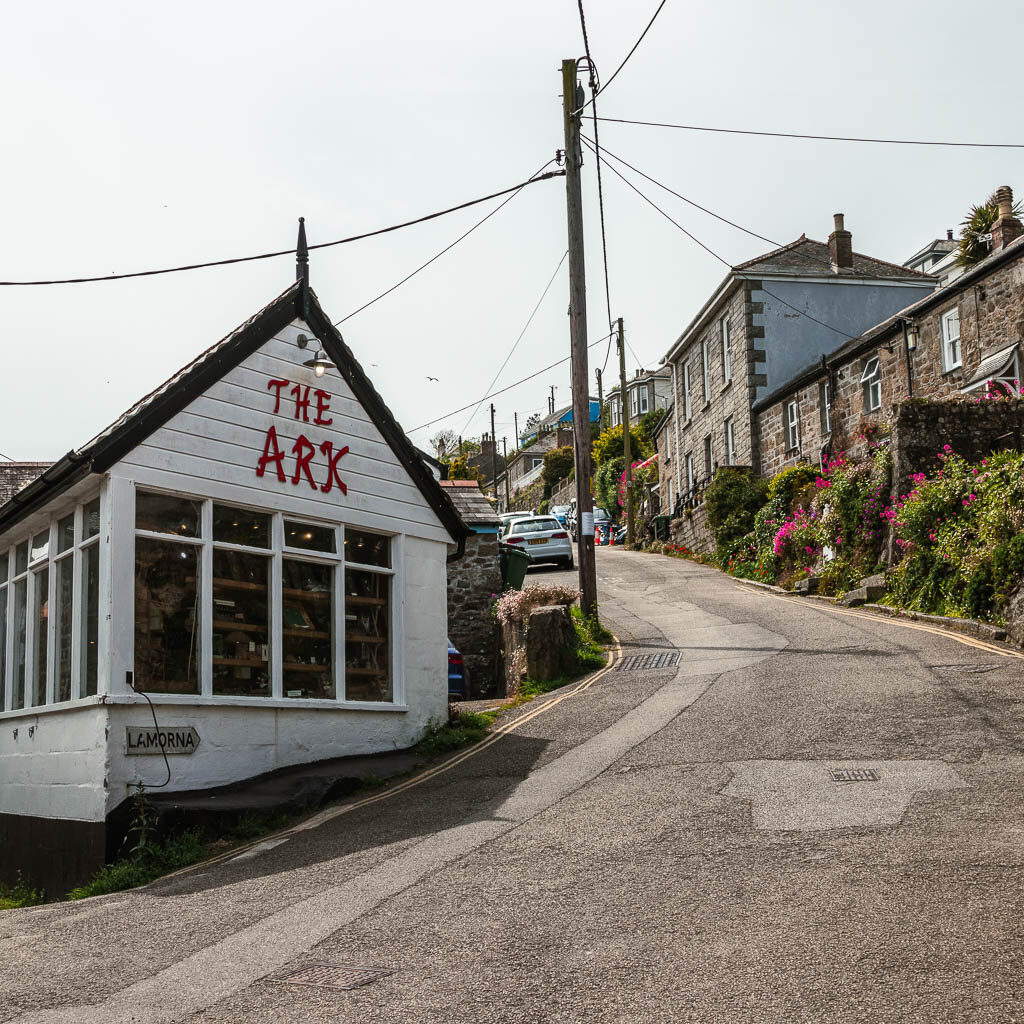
[172,739]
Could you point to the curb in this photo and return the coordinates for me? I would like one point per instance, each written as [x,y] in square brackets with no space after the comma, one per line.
[972,627]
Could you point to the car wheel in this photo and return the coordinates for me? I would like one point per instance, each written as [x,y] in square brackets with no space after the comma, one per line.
[568,564]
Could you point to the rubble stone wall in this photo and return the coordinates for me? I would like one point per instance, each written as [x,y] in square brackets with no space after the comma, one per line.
[471,582]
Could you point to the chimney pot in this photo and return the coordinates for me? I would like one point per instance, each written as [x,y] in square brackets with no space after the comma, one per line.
[1007,227]
[838,219]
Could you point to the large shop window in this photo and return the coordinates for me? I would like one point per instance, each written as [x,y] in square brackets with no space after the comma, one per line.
[291,608]
[43,614]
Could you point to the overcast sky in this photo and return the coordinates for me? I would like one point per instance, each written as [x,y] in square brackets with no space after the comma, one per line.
[139,136]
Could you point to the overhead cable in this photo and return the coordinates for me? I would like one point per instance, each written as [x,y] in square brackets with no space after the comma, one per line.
[628,55]
[502,391]
[290,252]
[447,248]
[817,138]
[515,345]
[722,259]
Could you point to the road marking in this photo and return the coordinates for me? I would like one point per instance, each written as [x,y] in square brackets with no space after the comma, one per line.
[960,638]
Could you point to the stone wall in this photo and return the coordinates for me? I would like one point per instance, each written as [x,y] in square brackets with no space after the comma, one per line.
[471,582]
[563,493]
[691,530]
[16,475]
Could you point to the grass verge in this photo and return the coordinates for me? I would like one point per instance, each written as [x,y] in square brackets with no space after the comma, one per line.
[19,895]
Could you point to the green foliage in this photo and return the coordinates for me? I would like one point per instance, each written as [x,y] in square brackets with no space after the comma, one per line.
[979,221]
[606,485]
[19,895]
[543,507]
[156,859]
[590,636]
[462,729]
[608,445]
[460,469]
[648,425]
[557,465]
[732,499]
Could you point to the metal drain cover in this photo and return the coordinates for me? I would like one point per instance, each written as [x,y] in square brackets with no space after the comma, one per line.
[854,774]
[639,662]
[336,976]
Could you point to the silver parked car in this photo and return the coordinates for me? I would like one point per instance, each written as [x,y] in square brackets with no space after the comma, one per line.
[543,538]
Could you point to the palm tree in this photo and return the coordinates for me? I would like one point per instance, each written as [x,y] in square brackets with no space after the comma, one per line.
[979,221]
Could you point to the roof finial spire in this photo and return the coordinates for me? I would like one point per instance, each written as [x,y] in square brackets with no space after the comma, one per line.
[302,267]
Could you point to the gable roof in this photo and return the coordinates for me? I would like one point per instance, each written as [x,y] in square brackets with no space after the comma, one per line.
[808,257]
[153,410]
[469,500]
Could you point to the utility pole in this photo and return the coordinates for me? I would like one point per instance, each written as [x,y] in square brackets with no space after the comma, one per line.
[572,100]
[515,416]
[627,454]
[494,455]
[600,402]
[504,452]
[551,402]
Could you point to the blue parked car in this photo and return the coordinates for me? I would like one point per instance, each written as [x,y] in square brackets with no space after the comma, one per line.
[559,512]
[458,677]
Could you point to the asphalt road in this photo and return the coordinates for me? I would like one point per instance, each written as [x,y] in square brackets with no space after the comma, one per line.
[665,843]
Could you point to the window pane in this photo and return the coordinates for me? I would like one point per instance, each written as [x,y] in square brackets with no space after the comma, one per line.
[367,548]
[305,535]
[367,664]
[164,513]
[5,559]
[91,519]
[166,617]
[62,626]
[90,621]
[21,558]
[40,546]
[3,648]
[18,668]
[238,526]
[41,613]
[307,615]
[241,648]
[65,533]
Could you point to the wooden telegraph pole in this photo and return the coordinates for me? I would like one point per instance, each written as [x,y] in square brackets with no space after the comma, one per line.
[572,100]
[494,456]
[627,441]
[600,401]
[504,453]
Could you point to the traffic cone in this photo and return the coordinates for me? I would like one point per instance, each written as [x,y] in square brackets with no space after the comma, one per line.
[611,536]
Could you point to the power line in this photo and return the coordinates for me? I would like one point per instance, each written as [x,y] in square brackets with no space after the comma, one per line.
[447,248]
[290,252]
[501,391]
[722,259]
[631,52]
[818,138]
[515,345]
[725,220]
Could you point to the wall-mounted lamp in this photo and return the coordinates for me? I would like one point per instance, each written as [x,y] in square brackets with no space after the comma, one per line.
[913,334]
[319,362]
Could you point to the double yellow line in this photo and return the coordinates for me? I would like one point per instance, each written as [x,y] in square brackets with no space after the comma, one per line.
[417,780]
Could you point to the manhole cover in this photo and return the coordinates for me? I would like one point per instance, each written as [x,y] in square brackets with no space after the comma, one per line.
[854,774]
[338,976]
[639,662]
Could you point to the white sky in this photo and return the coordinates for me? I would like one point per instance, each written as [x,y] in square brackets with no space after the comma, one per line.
[134,139]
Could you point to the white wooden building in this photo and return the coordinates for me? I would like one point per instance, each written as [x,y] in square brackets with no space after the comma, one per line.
[257,550]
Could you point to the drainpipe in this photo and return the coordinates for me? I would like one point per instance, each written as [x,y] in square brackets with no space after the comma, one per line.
[675,430]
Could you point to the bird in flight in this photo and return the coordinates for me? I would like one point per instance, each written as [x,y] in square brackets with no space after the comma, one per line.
[432,378]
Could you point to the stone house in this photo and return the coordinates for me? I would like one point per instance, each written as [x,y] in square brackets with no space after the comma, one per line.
[16,475]
[524,466]
[472,582]
[648,391]
[966,339]
[766,321]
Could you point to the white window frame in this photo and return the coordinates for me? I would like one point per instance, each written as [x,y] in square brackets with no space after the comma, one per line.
[730,443]
[687,407]
[709,456]
[705,361]
[276,552]
[689,471]
[871,381]
[634,401]
[644,400]
[826,401]
[792,426]
[616,407]
[726,354]
[952,352]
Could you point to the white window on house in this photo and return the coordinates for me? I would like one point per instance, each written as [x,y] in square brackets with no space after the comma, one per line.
[951,339]
[689,471]
[730,443]
[792,427]
[668,444]
[871,381]
[616,418]
[726,354]
[687,409]
[644,399]
[824,400]
[634,402]
[705,362]
[668,507]
[708,458]
[231,602]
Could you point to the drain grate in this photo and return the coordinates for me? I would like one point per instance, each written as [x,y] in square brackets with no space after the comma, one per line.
[639,662]
[337,976]
[854,774]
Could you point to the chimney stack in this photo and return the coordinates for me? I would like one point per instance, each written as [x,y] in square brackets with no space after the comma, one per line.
[840,245]
[486,445]
[1007,227]
[949,234]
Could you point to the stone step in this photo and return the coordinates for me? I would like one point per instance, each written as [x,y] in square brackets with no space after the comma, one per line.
[863,595]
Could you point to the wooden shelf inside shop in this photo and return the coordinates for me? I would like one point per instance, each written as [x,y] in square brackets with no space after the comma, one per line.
[241,662]
[246,627]
[359,639]
[355,599]
[301,666]
[365,671]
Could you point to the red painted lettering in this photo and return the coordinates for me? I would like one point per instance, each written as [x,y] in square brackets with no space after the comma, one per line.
[271,446]
[323,404]
[301,402]
[278,384]
[332,467]
[303,459]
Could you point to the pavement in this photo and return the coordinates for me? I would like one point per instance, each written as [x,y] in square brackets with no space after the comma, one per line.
[774,810]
